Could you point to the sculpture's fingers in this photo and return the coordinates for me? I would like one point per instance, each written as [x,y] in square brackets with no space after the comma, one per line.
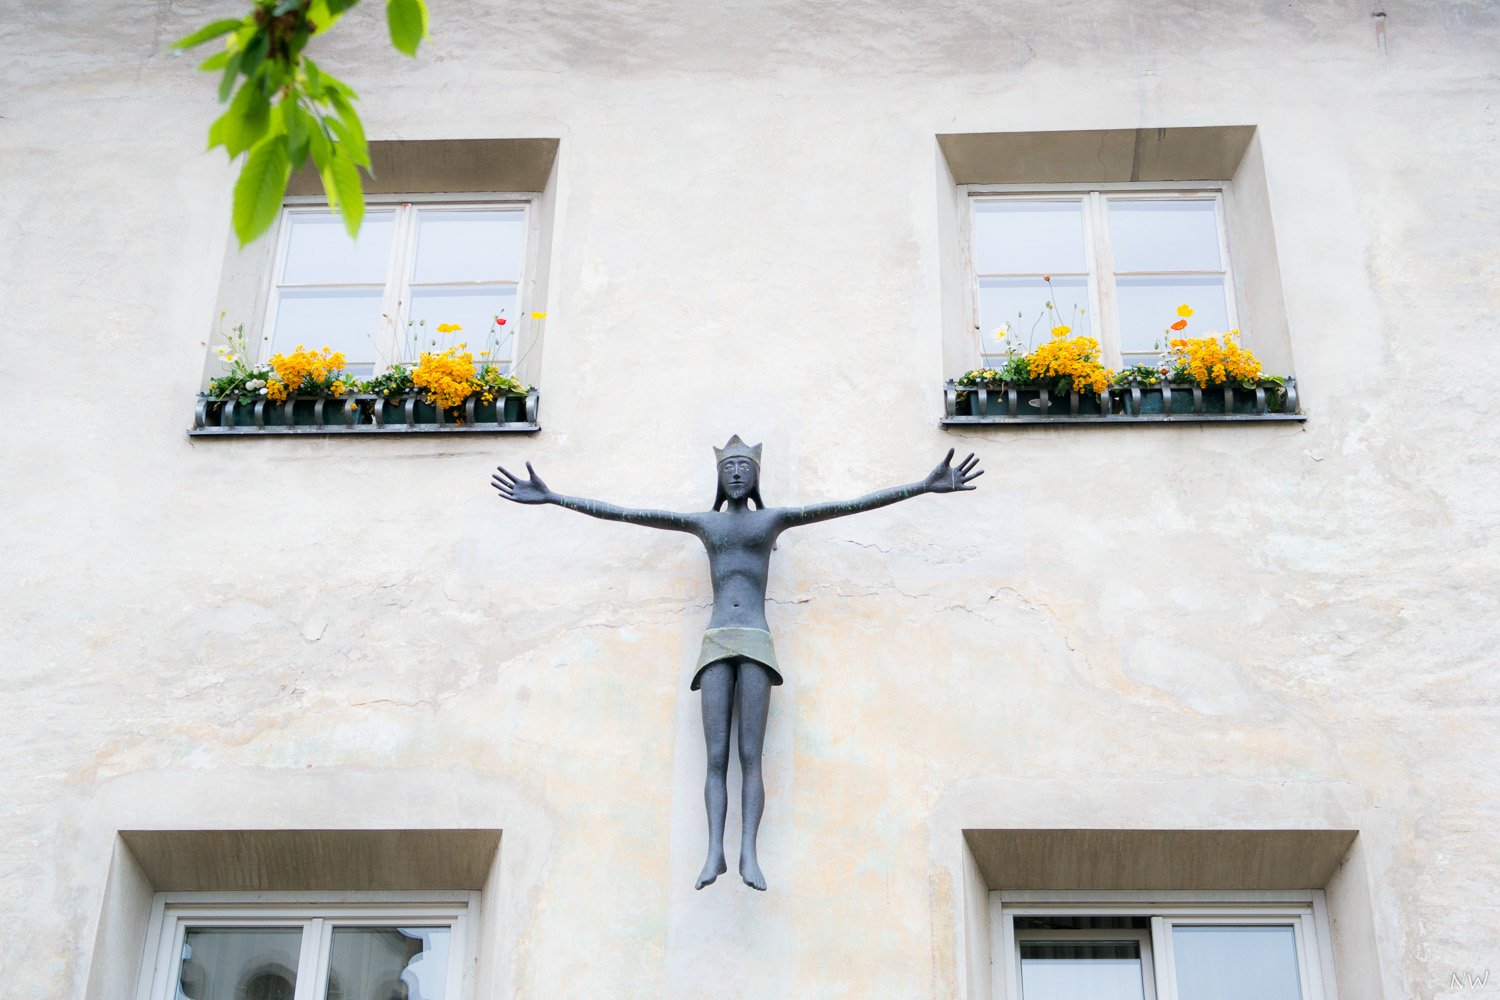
[968,463]
[533,472]
[947,459]
[972,476]
[506,473]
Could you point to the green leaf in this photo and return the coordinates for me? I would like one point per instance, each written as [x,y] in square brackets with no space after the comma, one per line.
[231,73]
[285,6]
[216,61]
[261,187]
[299,128]
[408,22]
[206,32]
[245,123]
[322,153]
[318,146]
[351,197]
[255,53]
[353,145]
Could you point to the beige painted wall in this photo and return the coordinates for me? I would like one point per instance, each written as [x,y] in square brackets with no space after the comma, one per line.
[1174,628]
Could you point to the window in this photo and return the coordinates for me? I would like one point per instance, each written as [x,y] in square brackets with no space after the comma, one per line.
[240,947]
[1189,951]
[1114,261]
[379,298]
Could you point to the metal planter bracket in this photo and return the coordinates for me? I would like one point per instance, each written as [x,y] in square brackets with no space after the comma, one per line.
[349,416]
[1119,406]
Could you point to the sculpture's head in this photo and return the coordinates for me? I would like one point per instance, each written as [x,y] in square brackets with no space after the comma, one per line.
[739,473]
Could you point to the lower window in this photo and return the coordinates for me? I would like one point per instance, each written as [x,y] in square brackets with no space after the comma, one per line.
[264,951]
[1187,952]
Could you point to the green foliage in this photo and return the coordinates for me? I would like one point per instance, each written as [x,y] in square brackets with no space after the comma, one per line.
[1015,371]
[394,381]
[287,110]
[1142,373]
[243,380]
[490,380]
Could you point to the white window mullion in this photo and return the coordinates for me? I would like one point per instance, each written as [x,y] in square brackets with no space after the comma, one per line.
[312,965]
[396,305]
[1231,293]
[308,963]
[1166,969]
[1102,281]
[1148,967]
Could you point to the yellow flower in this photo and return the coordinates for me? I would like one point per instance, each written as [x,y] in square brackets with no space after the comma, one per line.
[538,315]
[447,377]
[304,366]
[448,328]
[1212,361]
[1184,311]
[1061,331]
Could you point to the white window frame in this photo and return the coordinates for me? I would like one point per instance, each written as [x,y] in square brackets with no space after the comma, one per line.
[1306,911]
[1097,257]
[395,303]
[172,913]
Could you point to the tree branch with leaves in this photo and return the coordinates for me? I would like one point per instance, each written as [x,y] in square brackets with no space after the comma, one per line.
[286,110]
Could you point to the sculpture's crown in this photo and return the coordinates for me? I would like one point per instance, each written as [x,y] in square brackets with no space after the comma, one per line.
[735,448]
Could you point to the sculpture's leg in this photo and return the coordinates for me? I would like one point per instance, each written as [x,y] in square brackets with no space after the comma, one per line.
[717,685]
[754,702]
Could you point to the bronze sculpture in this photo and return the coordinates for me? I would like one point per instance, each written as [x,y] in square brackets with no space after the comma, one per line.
[737,663]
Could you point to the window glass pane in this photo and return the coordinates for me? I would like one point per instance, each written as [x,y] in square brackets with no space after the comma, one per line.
[1148,308]
[320,252]
[1028,237]
[1236,963]
[239,963]
[474,309]
[1084,970]
[469,246]
[345,319]
[388,963]
[1164,235]
[1022,303]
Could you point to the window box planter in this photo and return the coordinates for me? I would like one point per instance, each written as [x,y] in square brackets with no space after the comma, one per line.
[363,414]
[1135,403]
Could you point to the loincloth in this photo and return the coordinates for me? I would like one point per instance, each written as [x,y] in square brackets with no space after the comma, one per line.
[737,643]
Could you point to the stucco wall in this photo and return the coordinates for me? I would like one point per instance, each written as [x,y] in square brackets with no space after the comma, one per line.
[1187,627]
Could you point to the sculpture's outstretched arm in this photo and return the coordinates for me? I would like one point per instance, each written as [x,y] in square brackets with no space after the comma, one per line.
[533,490]
[943,479]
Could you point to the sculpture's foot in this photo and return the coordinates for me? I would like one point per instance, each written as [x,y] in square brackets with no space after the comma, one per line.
[750,871]
[712,869]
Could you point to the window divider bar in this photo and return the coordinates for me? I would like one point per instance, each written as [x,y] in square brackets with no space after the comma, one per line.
[1166,980]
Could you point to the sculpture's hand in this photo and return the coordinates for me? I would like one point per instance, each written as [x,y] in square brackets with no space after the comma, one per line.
[946,479]
[531,490]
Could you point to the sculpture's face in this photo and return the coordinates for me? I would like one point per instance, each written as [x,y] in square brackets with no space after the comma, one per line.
[737,477]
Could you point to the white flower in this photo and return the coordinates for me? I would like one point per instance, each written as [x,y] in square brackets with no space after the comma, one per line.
[264,390]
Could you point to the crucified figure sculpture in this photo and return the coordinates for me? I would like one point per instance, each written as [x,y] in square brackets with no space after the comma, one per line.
[737,667]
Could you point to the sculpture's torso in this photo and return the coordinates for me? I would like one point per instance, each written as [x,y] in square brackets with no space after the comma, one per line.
[739,543]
